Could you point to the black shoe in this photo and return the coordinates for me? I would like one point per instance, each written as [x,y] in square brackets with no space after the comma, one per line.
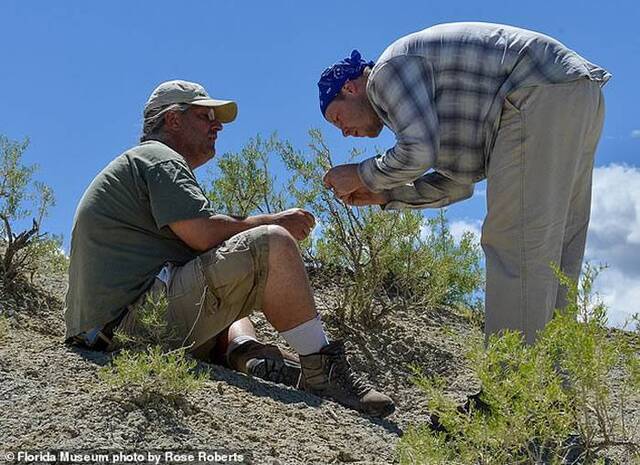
[282,371]
[266,361]
[473,402]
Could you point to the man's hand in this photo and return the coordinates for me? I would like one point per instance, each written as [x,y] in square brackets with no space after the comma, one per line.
[297,221]
[343,180]
[364,196]
[204,233]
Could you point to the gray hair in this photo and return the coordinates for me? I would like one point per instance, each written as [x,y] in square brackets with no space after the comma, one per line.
[154,119]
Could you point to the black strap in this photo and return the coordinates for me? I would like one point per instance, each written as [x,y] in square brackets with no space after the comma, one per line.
[104,337]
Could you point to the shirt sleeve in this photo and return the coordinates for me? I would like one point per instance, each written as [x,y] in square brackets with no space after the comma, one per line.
[401,91]
[175,195]
[432,190]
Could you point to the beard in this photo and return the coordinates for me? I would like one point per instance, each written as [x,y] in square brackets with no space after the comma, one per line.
[374,129]
[373,125]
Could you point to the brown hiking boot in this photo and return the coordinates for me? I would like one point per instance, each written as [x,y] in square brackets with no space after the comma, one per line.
[328,374]
[266,361]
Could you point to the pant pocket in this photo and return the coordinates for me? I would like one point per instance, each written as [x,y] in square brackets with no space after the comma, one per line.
[225,269]
[186,279]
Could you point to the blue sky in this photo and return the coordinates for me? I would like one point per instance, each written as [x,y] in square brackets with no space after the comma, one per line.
[75,75]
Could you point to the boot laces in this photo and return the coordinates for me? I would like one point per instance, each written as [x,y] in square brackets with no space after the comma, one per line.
[341,372]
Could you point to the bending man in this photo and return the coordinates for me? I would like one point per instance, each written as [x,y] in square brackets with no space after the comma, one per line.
[474,101]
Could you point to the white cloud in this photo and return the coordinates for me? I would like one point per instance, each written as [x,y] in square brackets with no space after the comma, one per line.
[480,193]
[621,294]
[614,238]
[635,134]
[459,227]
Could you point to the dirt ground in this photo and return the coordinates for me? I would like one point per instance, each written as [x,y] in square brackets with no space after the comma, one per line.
[51,397]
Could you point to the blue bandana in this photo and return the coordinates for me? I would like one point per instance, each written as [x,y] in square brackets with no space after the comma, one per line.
[334,77]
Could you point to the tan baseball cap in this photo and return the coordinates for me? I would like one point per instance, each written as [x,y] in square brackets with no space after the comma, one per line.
[171,92]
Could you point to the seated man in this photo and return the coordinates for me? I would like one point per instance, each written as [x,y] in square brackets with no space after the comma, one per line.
[144,225]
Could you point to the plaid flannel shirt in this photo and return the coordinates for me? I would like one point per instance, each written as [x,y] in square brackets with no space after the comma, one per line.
[441,92]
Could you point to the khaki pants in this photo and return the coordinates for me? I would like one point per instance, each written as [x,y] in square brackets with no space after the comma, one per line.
[209,293]
[538,201]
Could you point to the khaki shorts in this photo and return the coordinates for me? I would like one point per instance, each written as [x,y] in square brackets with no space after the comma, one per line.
[209,293]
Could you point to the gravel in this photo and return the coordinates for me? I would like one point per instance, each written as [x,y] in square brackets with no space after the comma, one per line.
[51,397]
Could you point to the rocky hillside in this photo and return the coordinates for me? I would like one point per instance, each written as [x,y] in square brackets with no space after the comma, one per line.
[51,397]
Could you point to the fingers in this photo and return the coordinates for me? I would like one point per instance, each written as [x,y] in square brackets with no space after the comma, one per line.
[299,223]
[357,199]
[307,219]
[346,198]
[332,179]
[311,220]
[355,202]
[326,180]
[300,234]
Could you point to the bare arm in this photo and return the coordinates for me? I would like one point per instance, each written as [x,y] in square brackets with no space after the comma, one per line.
[205,233]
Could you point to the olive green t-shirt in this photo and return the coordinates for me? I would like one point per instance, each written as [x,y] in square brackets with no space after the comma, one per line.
[121,238]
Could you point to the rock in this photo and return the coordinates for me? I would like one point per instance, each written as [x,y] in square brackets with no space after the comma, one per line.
[346,457]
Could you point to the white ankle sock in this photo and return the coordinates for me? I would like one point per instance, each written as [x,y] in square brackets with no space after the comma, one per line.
[237,342]
[306,338]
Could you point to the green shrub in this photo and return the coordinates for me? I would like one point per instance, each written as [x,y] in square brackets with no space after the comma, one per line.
[378,260]
[392,259]
[28,251]
[573,383]
[47,257]
[153,374]
[149,365]
[595,361]
[455,268]
[245,185]
[150,327]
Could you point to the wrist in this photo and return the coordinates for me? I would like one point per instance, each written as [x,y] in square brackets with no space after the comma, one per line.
[262,219]
[365,175]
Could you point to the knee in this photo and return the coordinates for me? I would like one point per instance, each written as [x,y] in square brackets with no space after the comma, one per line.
[279,236]
[276,236]
[275,239]
[281,242]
